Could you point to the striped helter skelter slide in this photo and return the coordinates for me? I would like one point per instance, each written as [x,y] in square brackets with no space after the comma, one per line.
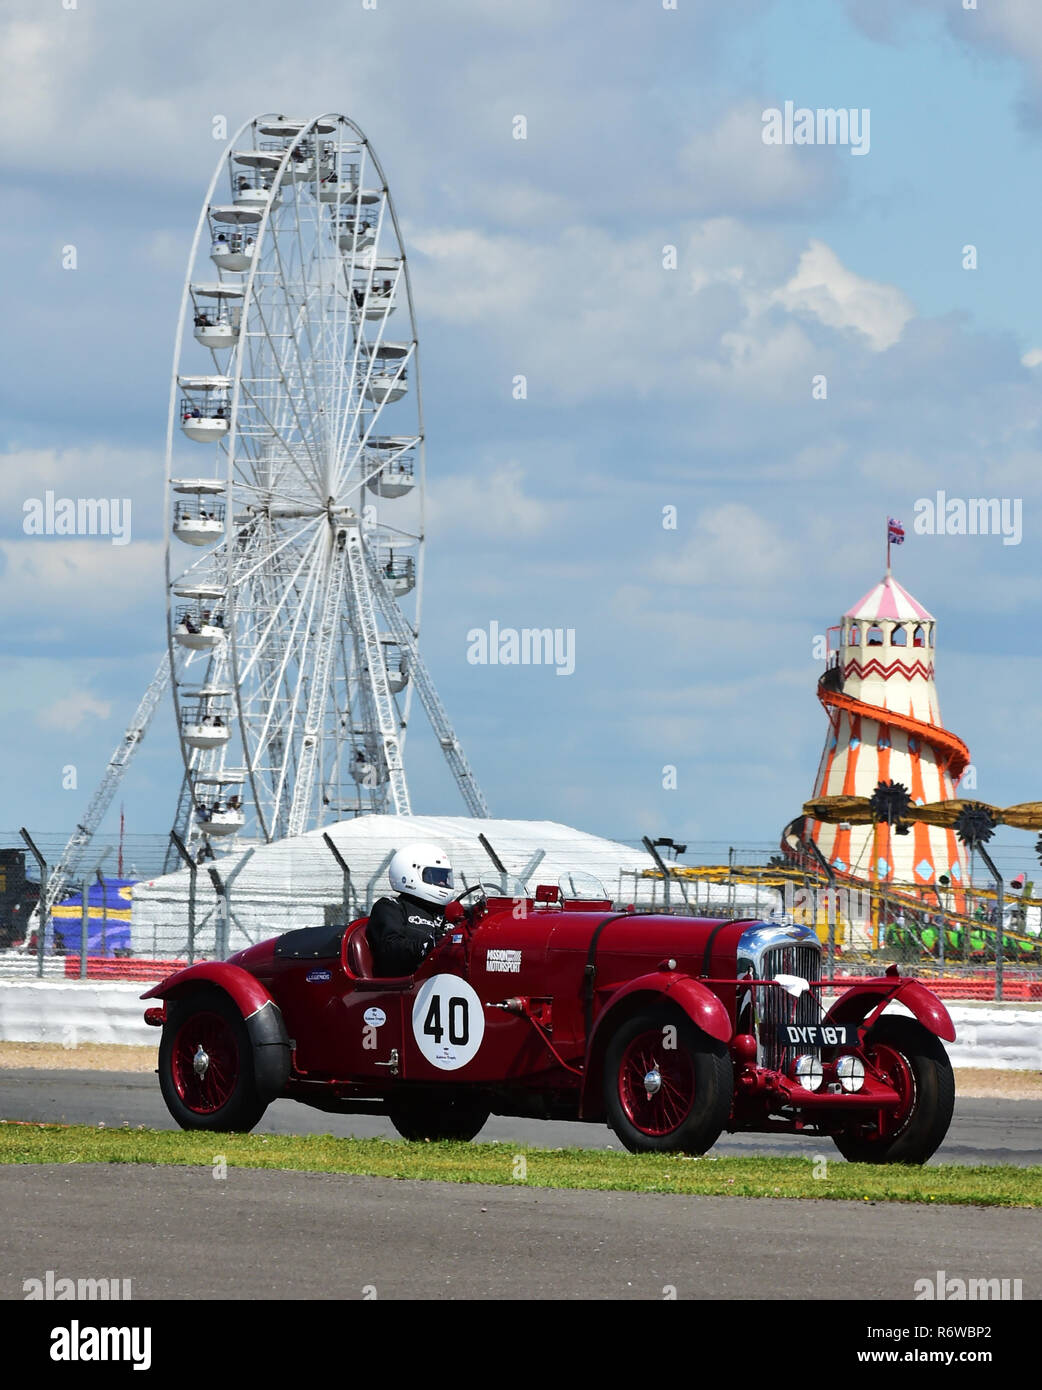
[884,726]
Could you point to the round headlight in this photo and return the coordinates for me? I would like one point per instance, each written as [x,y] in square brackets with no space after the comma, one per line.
[851,1073]
[809,1072]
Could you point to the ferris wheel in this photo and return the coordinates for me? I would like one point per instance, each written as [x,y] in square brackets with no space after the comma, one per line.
[295,475]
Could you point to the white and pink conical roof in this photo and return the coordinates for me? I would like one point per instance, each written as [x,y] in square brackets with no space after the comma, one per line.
[887,601]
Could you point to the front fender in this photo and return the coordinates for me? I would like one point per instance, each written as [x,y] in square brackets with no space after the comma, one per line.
[692,997]
[860,1000]
[245,989]
[272,1050]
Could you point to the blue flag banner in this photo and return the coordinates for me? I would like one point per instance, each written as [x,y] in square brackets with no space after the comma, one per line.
[108,918]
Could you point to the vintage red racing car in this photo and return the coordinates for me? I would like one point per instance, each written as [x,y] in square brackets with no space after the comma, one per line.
[671,1029]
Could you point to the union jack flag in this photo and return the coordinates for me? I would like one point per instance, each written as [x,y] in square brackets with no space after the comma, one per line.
[895,532]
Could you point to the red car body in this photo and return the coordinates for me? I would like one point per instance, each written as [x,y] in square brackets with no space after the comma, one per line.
[670,1028]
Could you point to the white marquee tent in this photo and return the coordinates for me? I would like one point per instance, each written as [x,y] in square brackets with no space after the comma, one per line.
[300,883]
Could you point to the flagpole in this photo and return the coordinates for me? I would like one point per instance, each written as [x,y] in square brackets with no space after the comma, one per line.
[895,535]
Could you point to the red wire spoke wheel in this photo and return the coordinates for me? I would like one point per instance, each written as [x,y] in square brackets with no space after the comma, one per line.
[905,1055]
[660,1105]
[206,1064]
[894,1069]
[667,1085]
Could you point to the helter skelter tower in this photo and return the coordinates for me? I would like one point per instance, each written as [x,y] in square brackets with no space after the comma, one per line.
[885,726]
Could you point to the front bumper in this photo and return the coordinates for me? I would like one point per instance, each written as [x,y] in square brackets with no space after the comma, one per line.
[761,1084]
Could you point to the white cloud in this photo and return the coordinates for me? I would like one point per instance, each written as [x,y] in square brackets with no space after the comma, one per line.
[100,470]
[541,257]
[900,470]
[122,87]
[34,52]
[1012,26]
[1008,28]
[493,502]
[732,547]
[533,14]
[70,711]
[622,322]
[728,250]
[53,63]
[474,277]
[167,249]
[819,461]
[839,298]
[80,585]
[730,169]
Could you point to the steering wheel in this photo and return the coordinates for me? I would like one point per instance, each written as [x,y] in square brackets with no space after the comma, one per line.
[470,913]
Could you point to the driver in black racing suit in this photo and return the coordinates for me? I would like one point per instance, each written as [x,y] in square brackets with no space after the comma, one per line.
[402,930]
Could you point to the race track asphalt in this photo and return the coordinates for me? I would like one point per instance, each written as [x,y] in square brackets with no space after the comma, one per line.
[178,1233]
[983,1131]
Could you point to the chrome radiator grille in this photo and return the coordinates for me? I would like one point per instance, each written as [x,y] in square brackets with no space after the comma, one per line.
[776,1007]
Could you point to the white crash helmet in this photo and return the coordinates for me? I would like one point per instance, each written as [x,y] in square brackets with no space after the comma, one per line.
[423,871]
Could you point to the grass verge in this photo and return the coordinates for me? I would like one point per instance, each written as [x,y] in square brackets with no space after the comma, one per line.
[508,1165]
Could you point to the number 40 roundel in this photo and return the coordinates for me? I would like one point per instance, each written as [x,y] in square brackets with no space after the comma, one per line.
[448,1021]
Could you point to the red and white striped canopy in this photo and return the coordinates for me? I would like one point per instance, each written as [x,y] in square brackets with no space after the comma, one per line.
[887,600]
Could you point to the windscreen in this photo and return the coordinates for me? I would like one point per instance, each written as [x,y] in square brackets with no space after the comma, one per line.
[577,884]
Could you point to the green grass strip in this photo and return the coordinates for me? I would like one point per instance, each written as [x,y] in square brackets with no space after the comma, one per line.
[510,1165]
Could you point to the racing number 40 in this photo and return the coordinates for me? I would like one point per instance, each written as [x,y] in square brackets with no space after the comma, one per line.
[458,1020]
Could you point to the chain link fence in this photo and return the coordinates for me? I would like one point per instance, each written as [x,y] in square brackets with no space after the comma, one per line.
[123,918]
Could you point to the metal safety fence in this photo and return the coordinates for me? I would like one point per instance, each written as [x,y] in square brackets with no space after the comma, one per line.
[127,919]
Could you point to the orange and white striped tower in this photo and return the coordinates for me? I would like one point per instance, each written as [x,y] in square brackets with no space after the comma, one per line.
[885,726]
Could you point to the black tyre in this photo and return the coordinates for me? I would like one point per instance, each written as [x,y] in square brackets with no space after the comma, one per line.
[668,1087]
[420,1115]
[206,1070]
[914,1061]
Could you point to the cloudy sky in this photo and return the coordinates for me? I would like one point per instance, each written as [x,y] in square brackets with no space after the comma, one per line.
[649,387]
